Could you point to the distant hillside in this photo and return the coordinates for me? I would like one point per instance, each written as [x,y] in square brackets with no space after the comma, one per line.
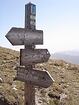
[64,91]
[70,56]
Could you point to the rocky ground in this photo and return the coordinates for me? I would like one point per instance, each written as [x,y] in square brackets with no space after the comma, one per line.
[64,91]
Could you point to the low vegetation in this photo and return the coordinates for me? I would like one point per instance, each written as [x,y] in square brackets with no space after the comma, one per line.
[64,91]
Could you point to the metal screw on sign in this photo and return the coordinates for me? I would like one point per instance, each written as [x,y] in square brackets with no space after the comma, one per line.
[26,72]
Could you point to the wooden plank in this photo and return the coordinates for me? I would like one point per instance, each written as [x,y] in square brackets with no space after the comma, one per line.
[22,36]
[29,56]
[34,77]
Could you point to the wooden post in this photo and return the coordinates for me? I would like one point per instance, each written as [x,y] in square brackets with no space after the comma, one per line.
[29,91]
[29,94]
[28,88]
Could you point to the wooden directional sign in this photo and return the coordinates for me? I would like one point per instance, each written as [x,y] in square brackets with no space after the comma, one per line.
[30,56]
[34,77]
[22,36]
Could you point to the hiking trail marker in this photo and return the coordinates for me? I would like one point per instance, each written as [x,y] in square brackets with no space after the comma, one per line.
[34,77]
[29,37]
[30,56]
[22,36]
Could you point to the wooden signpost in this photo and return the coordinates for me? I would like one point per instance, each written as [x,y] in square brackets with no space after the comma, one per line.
[34,77]
[30,56]
[33,56]
[22,36]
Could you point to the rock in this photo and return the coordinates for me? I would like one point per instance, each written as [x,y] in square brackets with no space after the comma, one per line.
[3,101]
[54,95]
[63,96]
[1,80]
[14,87]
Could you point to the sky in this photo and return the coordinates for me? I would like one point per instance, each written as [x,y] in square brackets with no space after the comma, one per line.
[59,20]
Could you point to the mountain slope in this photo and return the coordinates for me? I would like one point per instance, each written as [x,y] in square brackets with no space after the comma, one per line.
[64,91]
[70,56]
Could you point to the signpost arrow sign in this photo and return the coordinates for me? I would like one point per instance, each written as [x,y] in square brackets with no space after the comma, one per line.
[34,77]
[22,36]
[30,56]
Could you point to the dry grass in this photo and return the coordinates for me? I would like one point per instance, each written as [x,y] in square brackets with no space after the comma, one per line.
[66,78]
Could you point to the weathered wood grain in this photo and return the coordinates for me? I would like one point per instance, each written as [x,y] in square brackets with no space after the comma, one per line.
[34,77]
[22,36]
[29,56]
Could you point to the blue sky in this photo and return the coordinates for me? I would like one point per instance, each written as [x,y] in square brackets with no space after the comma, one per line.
[59,20]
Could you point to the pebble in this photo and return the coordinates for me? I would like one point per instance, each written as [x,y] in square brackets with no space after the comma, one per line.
[1,80]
